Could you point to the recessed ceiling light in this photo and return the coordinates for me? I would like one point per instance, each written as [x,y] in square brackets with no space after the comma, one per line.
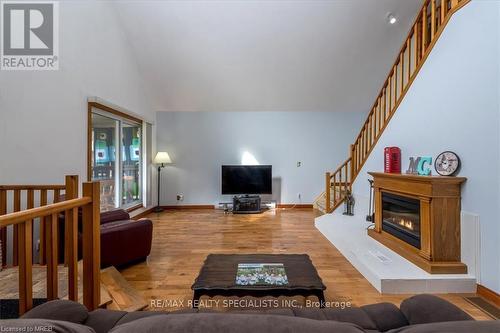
[391,18]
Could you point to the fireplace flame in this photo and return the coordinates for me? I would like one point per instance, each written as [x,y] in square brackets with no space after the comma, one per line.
[406,223]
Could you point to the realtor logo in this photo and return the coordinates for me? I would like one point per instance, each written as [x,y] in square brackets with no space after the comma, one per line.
[29,35]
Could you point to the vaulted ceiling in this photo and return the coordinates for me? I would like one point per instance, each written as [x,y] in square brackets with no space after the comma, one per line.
[246,55]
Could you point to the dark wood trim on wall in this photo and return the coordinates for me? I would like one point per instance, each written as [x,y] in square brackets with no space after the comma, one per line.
[488,294]
[104,108]
[113,111]
[300,206]
[89,142]
[135,207]
[141,212]
[188,207]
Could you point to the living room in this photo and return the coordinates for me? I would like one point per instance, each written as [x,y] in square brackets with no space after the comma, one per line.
[186,149]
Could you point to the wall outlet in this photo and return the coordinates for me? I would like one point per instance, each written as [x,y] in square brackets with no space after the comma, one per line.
[299,164]
[180,197]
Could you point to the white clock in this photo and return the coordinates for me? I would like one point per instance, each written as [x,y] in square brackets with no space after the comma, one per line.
[447,163]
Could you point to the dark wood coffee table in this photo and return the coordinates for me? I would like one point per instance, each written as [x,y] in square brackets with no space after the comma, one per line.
[218,277]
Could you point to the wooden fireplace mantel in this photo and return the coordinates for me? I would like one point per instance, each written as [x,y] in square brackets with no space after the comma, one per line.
[439,198]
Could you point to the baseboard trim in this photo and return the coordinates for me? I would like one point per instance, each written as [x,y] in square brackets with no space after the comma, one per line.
[280,205]
[301,206]
[188,207]
[141,212]
[488,294]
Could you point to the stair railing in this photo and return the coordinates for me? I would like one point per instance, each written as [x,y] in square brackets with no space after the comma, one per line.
[25,195]
[338,185]
[22,220]
[426,29]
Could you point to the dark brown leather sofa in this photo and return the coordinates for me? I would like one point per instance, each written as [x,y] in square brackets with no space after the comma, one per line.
[417,314]
[123,240]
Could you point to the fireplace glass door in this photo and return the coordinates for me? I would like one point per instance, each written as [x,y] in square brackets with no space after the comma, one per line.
[401,218]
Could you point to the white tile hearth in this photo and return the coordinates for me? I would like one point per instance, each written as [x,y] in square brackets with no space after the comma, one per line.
[387,271]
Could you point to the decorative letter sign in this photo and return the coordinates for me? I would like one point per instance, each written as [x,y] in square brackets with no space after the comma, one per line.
[421,169]
[412,168]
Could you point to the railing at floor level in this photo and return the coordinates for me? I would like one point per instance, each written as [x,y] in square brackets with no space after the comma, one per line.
[22,220]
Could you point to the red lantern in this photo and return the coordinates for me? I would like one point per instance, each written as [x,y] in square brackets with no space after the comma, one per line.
[392,160]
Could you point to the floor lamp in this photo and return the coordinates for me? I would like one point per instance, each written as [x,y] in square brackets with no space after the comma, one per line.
[161,159]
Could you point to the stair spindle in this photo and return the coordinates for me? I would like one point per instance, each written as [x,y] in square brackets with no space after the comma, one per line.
[424,29]
[15,247]
[25,255]
[52,256]
[43,221]
[3,230]
[433,18]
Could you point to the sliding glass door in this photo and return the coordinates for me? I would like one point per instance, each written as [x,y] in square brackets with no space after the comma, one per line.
[131,164]
[116,157]
[104,167]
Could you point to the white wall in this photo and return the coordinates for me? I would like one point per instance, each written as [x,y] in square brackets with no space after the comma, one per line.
[200,142]
[43,114]
[454,105]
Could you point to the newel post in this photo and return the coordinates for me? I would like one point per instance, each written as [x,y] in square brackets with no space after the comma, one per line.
[91,246]
[71,238]
[354,163]
[328,178]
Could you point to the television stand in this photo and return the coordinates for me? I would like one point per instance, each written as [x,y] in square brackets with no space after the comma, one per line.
[246,204]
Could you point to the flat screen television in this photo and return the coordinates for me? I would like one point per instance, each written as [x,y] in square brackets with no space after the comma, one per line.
[247,179]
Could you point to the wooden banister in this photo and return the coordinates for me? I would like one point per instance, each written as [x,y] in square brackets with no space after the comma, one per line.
[31,187]
[91,246]
[22,220]
[425,31]
[22,216]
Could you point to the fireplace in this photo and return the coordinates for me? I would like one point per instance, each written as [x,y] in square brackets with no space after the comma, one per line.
[418,217]
[401,218]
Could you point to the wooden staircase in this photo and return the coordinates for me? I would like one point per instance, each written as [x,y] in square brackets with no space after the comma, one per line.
[426,30]
[124,297]
[338,185]
[115,292]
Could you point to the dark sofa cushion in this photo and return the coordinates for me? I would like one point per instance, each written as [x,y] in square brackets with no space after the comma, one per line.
[136,315]
[348,315]
[423,309]
[102,320]
[386,316]
[114,215]
[63,310]
[238,323]
[123,242]
[42,325]
[492,326]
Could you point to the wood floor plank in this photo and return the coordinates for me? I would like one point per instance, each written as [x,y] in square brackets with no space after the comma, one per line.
[183,238]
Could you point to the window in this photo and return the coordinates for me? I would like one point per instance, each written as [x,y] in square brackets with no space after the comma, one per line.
[115,156]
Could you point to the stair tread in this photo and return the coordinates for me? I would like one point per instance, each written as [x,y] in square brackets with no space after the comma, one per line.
[125,297]
[9,283]
[105,296]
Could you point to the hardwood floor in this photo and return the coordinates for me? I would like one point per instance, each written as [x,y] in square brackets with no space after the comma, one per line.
[183,238]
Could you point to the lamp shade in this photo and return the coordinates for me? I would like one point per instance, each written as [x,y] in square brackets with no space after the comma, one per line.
[162,158]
